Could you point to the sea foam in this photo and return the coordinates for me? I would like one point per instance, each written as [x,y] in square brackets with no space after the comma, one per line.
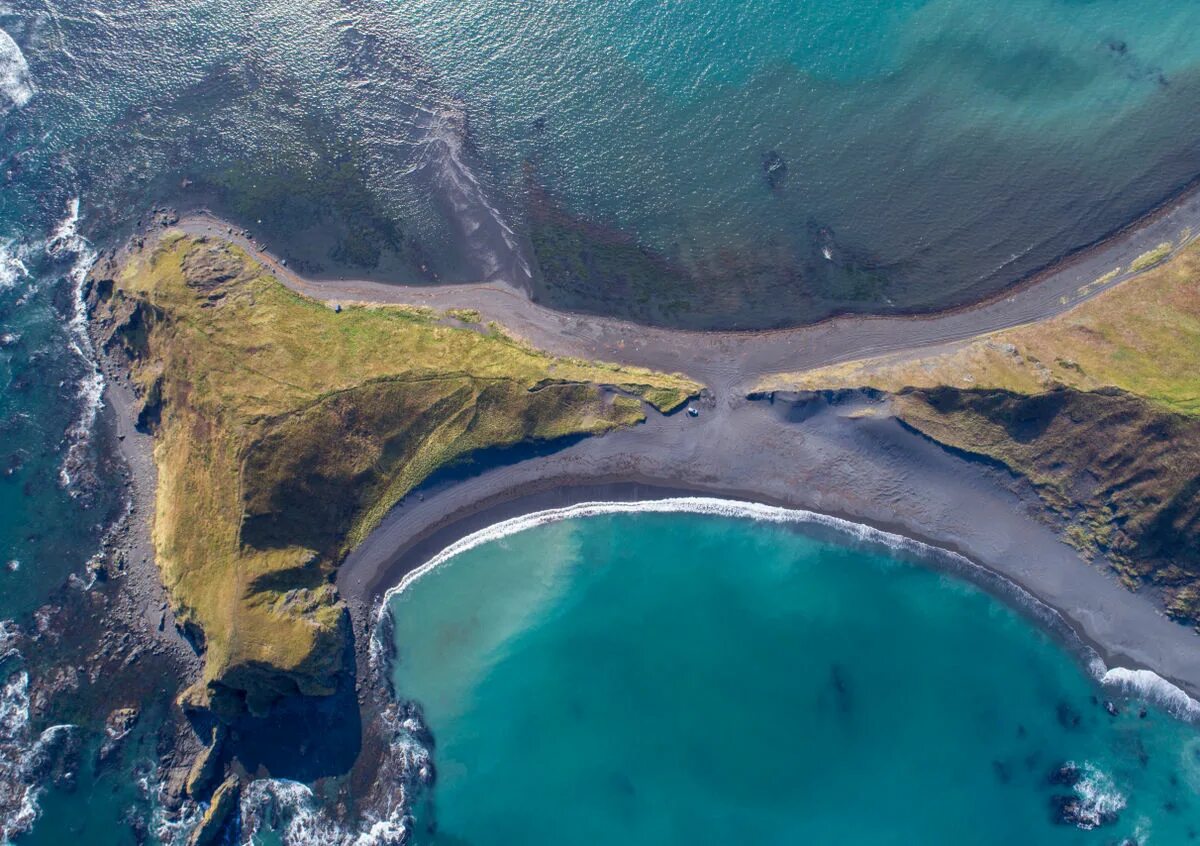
[66,244]
[16,84]
[1099,798]
[12,264]
[289,811]
[854,532]
[671,505]
[22,754]
[1148,685]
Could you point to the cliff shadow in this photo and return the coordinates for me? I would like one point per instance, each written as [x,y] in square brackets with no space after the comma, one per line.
[304,738]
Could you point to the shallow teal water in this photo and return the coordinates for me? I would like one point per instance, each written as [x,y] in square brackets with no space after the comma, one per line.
[934,148]
[693,679]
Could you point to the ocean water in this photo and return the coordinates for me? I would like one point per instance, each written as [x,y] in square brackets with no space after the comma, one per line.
[686,678]
[702,164]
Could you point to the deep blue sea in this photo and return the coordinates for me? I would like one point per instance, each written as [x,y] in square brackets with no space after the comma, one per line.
[697,163]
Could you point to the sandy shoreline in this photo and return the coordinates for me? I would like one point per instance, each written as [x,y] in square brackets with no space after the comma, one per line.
[731,362]
[831,459]
[850,461]
[584,500]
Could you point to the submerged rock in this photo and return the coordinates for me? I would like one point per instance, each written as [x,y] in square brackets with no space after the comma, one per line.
[1072,810]
[1067,775]
[775,169]
[1067,716]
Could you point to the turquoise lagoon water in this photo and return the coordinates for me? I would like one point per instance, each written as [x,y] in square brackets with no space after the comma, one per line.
[934,150]
[683,678]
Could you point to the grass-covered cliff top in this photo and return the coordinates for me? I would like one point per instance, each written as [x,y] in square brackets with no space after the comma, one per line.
[1099,408]
[1142,338]
[285,431]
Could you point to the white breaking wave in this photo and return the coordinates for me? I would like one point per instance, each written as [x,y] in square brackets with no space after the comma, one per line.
[20,751]
[66,242]
[1148,685]
[715,506]
[16,84]
[12,265]
[679,505]
[1099,799]
[290,811]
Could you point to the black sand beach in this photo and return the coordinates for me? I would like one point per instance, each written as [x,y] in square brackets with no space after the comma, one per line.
[848,460]
[843,459]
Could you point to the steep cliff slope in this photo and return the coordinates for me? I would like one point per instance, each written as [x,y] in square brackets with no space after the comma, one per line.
[285,430]
[1099,408]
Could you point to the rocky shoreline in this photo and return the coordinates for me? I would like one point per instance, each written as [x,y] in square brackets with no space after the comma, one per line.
[839,456]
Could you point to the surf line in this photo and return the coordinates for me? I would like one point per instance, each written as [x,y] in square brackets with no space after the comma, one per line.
[1133,682]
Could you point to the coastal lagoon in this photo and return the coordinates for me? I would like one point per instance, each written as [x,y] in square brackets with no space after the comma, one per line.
[683,678]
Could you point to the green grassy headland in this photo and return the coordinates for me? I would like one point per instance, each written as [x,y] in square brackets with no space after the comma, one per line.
[285,431]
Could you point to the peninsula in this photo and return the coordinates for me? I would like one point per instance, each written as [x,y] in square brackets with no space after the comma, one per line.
[316,440]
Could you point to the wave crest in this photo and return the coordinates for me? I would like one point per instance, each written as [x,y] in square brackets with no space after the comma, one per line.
[25,759]
[290,812]
[1099,799]
[16,83]
[1149,685]
[12,264]
[66,244]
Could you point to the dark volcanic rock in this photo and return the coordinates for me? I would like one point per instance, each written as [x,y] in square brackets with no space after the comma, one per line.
[1071,810]
[1068,717]
[118,725]
[219,815]
[1067,775]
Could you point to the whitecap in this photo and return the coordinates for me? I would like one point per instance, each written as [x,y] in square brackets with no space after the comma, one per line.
[670,505]
[20,751]
[16,84]
[12,264]
[65,243]
[1148,685]
[1099,799]
[289,810]
[855,532]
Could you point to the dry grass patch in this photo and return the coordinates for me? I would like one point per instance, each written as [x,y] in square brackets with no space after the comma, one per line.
[286,431]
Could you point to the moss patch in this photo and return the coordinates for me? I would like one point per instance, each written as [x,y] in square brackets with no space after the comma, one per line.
[285,431]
